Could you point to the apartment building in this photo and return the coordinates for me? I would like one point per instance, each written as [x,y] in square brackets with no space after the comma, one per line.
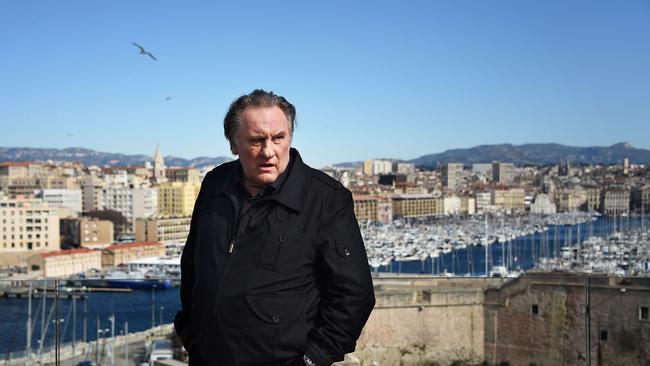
[615,201]
[509,199]
[27,226]
[503,173]
[132,203]
[87,232]
[570,199]
[417,205]
[451,174]
[176,199]
[64,263]
[166,230]
[186,175]
[67,201]
[117,254]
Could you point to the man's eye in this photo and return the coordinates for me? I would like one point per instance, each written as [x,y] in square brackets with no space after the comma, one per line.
[278,138]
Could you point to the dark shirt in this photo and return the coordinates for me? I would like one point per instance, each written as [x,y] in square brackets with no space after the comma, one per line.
[254,209]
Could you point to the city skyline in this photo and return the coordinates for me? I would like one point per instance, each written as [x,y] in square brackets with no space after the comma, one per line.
[482,154]
[369,80]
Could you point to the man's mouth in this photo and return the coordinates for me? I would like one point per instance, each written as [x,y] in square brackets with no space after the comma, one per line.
[266,166]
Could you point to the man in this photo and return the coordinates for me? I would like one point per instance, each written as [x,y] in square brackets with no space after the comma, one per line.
[274,271]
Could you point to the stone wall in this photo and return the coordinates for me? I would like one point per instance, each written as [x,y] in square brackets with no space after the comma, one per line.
[541,320]
[424,322]
[537,319]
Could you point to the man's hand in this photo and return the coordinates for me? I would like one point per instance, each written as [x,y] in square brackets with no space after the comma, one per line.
[307,361]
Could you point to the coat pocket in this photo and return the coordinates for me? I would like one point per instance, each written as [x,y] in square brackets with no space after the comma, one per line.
[284,249]
[275,329]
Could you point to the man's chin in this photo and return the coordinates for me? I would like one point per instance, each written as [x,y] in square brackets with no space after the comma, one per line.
[265,179]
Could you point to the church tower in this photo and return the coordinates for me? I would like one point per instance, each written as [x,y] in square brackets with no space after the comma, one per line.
[158,166]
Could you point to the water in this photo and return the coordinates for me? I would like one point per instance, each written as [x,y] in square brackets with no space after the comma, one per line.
[134,308]
[521,253]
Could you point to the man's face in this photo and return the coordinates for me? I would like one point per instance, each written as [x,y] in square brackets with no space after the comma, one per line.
[262,141]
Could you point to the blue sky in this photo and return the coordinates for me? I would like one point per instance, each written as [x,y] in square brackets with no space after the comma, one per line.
[370,79]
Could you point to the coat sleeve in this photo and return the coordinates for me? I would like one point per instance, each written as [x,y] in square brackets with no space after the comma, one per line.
[184,322]
[347,294]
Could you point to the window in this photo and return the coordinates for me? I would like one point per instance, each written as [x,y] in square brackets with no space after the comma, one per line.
[603,335]
[644,312]
[534,309]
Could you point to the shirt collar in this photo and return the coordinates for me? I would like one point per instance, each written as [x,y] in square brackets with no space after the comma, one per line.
[273,187]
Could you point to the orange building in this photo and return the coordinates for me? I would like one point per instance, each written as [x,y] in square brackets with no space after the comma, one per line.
[123,253]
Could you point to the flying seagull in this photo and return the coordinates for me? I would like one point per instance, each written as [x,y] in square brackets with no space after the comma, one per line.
[143,51]
[168,99]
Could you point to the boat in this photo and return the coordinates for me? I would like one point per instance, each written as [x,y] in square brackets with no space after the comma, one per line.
[135,280]
[120,279]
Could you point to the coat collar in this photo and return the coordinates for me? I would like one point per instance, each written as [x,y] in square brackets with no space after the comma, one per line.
[289,194]
[295,185]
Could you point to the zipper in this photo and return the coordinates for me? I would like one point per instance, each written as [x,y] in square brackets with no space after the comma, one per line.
[233,231]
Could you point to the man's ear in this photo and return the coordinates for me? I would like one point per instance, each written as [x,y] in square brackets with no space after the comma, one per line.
[233,148]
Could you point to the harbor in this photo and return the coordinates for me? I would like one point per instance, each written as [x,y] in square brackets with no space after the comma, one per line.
[449,247]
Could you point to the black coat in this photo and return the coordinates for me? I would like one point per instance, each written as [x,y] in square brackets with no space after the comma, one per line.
[296,283]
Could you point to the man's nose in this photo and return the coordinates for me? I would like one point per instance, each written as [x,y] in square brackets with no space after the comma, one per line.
[267,150]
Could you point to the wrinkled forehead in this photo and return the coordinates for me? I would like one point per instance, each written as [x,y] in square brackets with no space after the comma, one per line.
[264,121]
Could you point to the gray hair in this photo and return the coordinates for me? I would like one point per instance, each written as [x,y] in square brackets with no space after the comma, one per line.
[257,98]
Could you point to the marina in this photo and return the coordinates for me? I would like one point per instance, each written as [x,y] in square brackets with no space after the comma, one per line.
[508,245]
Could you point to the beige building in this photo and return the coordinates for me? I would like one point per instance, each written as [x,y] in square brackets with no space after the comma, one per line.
[376,167]
[87,232]
[168,230]
[64,263]
[467,205]
[22,178]
[25,186]
[367,167]
[186,175]
[176,199]
[417,205]
[593,198]
[93,196]
[62,182]
[22,169]
[122,253]
[27,226]
[451,205]
[615,201]
[483,201]
[570,199]
[14,169]
[365,207]
[509,199]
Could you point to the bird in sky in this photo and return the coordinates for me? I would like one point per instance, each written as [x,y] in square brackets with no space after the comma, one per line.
[168,99]
[144,52]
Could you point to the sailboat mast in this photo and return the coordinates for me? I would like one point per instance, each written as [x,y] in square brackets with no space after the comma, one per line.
[28,349]
[486,245]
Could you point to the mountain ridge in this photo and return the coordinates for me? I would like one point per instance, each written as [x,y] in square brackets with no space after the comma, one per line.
[93,157]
